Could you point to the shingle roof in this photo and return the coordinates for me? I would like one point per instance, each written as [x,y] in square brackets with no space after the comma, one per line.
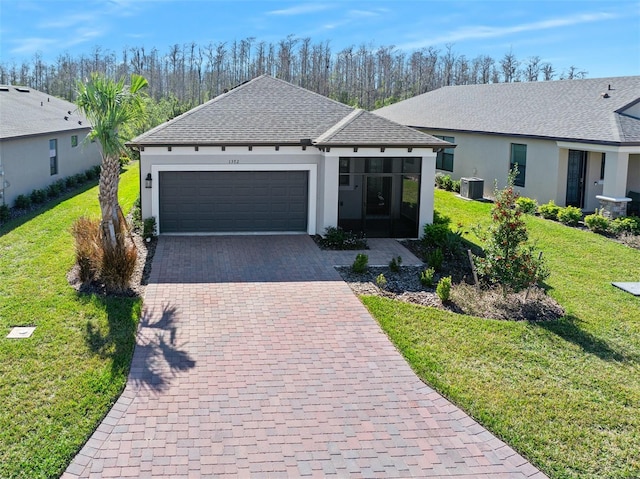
[366,129]
[573,110]
[269,111]
[27,112]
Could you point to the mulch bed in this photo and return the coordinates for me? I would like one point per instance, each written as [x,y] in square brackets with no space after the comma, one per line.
[405,285]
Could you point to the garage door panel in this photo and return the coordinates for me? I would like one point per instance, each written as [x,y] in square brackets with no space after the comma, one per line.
[226,201]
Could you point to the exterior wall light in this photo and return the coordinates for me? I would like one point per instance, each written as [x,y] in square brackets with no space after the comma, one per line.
[148,181]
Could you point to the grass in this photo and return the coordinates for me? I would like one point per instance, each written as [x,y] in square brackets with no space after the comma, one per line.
[56,386]
[565,394]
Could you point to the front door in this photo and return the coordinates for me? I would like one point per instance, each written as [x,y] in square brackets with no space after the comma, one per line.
[377,205]
[576,176]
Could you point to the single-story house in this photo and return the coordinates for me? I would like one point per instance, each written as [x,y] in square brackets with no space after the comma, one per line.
[271,157]
[576,142]
[41,141]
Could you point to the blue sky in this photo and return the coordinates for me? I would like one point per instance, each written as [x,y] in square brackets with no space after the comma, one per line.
[599,37]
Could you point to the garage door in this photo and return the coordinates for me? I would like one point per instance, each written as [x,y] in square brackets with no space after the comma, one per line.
[233,201]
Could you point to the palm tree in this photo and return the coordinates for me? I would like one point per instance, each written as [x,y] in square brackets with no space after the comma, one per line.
[111,106]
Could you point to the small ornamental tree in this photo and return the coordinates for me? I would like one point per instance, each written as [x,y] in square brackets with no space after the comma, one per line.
[509,261]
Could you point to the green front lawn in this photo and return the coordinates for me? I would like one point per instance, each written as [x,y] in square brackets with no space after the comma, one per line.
[565,394]
[56,386]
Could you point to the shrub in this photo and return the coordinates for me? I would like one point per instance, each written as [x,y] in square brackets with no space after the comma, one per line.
[452,243]
[443,290]
[435,258]
[117,265]
[80,178]
[360,264]
[455,186]
[528,206]
[93,173]
[549,210]
[440,219]
[337,238]
[22,202]
[444,182]
[509,260]
[52,190]
[38,197]
[70,181]
[5,213]
[627,224]
[86,232]
[426,277]
[149,228]
[435,234]
[570,215]
[597,223]
[381,281]
[440,179]
[136,215]
[394,264]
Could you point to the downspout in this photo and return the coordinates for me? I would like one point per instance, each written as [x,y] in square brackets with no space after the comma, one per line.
[3,183]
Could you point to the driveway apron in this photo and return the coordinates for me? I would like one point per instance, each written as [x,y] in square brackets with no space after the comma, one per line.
[254,359]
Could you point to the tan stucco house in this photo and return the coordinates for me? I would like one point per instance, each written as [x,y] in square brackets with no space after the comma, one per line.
[576,142]
[271,157]
[42,140]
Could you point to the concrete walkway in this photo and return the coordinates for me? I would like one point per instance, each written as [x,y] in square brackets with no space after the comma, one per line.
[254,359]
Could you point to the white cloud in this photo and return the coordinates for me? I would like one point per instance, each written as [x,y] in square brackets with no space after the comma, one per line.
[299,9]
[481,31]
[31,45]
[83,35]
[363,13]
[67,21]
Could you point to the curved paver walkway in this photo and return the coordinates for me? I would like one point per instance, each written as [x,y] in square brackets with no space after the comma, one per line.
[254,359]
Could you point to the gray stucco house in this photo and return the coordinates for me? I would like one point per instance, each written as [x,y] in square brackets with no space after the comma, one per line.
[41,141]
[271,157]
[576,142]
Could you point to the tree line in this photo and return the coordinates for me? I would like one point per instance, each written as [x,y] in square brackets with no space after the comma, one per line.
[365,76]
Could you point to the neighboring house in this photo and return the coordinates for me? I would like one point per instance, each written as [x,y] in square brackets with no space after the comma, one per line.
[576,142]
[42,140]
[269,157]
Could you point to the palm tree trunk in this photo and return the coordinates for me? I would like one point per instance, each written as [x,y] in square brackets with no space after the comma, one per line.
[108,198]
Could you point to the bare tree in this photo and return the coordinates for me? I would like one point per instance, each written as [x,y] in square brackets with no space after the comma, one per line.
[532,69]
[548,72]
[367,75]
[509,65]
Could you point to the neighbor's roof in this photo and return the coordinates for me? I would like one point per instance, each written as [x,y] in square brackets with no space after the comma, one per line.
[588,110]
[28,112]
[268,111]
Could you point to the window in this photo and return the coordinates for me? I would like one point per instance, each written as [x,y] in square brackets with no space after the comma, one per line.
[74,141]
[519,158]
[53,156]
[444,158]
[345,170]
[602,163]
[378,165]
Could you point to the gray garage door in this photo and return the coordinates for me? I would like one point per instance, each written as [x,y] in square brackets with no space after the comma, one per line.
[233,201]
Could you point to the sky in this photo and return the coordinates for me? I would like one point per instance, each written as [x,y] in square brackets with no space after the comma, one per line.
[601,38]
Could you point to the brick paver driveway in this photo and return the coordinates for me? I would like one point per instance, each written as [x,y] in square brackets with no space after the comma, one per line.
[255,360]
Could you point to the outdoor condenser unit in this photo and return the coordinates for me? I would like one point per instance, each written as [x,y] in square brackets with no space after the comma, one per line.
[472,188]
